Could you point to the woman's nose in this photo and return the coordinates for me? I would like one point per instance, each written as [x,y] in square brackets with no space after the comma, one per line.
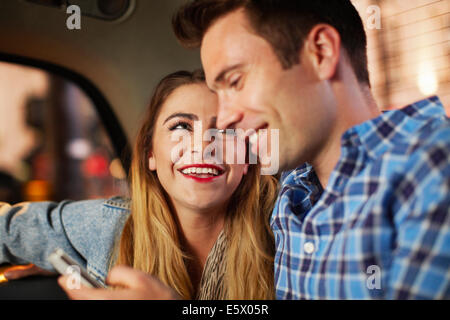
[200,142]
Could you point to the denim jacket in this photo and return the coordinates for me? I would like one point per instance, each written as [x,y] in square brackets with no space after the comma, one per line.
[86,230]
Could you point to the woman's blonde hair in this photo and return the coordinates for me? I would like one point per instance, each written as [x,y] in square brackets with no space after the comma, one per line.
[151,240]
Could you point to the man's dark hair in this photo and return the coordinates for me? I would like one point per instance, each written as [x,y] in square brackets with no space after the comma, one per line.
[285,24]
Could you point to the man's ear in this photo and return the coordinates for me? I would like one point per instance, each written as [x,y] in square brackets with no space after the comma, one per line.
[323,47]
[151,162]
[245,169]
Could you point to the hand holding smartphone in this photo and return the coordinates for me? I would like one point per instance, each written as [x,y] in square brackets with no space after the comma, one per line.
[61,262]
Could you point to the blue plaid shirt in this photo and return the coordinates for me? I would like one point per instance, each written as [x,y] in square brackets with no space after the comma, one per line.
[380,230]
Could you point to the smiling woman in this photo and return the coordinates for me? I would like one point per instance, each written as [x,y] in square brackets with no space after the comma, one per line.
[215,215]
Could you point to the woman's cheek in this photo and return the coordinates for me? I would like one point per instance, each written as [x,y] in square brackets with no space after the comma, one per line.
[175,150]
[236,174]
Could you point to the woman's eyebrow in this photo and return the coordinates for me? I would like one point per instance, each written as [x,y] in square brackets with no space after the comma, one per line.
[189,116]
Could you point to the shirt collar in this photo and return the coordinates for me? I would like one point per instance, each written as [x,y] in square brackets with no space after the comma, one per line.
[375,136]
[378,135]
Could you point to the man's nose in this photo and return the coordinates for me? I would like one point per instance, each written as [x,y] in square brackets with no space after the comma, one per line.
[228,117]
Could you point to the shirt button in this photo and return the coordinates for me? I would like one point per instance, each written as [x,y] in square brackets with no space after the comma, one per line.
[309,247]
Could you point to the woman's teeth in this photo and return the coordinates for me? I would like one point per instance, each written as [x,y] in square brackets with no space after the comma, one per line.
[197,171]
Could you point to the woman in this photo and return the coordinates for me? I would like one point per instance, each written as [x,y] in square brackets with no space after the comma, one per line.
[200,227]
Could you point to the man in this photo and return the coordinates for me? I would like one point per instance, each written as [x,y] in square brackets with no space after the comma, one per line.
[364,213]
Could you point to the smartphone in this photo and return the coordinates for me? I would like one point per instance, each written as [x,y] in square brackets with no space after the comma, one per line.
[62,262]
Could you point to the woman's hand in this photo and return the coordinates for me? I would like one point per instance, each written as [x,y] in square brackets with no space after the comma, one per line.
[19,272]
[129,284]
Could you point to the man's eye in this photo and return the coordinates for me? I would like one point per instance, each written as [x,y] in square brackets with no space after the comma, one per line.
[227,132]
[234,83]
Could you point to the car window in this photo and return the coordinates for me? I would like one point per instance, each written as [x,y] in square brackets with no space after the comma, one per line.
[53,145]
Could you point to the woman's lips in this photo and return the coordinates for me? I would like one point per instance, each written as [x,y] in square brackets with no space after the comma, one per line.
[202,172]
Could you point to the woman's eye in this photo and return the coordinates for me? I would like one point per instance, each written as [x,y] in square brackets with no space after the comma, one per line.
[180,126]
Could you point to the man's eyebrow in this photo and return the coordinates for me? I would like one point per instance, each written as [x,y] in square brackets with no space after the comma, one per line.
[189,116]
[222,74]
